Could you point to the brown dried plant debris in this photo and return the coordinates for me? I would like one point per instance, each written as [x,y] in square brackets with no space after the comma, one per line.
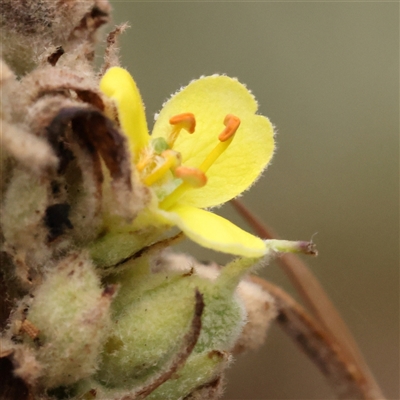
[210,391]
[53,127]
[82,138]
[29,27]
[111,54]
[16,141]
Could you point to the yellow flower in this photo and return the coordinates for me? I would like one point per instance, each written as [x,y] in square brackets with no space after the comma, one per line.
[207,146]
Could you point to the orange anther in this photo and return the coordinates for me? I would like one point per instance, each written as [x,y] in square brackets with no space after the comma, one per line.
[193,176]
[172,157]
[184,121]
[232,123]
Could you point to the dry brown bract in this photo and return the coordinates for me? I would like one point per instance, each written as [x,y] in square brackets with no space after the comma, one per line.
[54,139]
[54,135]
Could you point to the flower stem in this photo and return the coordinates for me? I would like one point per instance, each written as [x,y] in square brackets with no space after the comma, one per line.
[233,272]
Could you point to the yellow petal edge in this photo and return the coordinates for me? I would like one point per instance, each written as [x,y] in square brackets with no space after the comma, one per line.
[119,85]
[214,232]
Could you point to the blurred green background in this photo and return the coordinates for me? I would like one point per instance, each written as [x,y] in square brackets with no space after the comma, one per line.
[327,75]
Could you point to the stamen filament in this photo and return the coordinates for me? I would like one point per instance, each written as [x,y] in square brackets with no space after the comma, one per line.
[192,178]
[172,198]
[232,123]
[215,153]
[171,161]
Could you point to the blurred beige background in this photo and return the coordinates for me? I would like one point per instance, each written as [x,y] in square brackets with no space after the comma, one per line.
[327,75]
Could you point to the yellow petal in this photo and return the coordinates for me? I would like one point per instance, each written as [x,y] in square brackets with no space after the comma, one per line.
[210,99]
[118,84]
[214,232]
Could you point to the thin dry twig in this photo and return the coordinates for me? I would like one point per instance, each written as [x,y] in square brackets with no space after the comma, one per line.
[317,300]
[158,246]
[345,377]
[111,54]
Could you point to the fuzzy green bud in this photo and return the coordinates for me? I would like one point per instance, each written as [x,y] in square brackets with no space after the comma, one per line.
[71,311]
[163,304]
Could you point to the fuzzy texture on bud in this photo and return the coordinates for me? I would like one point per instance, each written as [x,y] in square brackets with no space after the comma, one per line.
[259,305]
[72,313]
[159,303]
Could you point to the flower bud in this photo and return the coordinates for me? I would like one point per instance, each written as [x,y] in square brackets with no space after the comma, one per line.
[71,311]
[162,303]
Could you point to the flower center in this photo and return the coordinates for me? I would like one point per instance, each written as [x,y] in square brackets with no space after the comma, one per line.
[160,165]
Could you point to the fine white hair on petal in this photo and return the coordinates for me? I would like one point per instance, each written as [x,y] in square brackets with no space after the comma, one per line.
[216,75]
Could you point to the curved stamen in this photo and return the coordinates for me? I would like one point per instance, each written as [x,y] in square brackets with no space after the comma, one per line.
[185,121]
[232,123]
[172,160]
[193,176]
